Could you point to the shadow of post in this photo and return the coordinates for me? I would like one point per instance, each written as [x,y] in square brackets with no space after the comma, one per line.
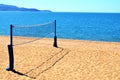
[22,74]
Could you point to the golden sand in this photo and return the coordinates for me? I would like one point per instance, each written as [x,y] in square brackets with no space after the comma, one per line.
[72,60]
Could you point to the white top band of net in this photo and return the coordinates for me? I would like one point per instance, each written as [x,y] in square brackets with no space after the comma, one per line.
[36,25]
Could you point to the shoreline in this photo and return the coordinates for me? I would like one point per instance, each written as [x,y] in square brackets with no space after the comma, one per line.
[64,39]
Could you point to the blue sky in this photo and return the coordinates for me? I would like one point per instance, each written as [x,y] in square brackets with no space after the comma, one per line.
[68,5]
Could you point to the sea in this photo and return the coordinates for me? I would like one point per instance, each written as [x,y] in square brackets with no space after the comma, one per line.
[70,25]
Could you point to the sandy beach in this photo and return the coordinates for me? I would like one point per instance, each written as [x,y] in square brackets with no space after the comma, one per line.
[72,60]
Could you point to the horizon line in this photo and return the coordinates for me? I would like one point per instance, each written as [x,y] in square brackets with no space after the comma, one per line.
[59,11]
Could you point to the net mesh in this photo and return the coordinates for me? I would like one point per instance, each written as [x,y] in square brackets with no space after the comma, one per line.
[31,33]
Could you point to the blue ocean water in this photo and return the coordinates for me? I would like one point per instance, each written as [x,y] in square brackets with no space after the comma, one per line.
[81,26]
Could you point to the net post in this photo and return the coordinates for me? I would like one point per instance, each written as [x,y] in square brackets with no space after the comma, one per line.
[11,34]
[10,51]
[55,37]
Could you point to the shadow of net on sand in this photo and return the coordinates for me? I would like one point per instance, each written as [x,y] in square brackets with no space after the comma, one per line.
[45,65]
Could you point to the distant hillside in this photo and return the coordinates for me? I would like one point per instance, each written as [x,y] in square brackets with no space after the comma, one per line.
[4,7]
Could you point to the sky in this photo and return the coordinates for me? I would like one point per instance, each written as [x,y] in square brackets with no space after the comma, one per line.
[68,5]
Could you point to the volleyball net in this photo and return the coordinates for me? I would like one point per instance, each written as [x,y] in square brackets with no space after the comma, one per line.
[30,33]
[26,34]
